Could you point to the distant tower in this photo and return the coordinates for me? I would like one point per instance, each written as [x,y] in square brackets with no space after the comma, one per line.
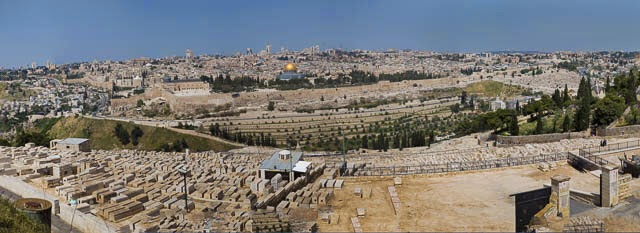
[249,51]
[268,49]
[34,65]
[188,54]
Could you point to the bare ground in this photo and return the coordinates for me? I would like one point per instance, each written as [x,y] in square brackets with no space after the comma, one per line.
[470,201]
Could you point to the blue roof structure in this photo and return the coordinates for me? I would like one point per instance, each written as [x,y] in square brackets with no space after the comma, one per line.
[275,163]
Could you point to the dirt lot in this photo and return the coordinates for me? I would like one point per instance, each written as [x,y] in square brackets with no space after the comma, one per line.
[471,201]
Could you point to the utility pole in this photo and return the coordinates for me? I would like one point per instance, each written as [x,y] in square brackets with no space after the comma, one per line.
[184,170]
[344,156]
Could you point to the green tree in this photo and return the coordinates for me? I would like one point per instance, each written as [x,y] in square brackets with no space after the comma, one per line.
[582,89]
[122,134]
[630,92]
[140,103]
[365,142]
[557,99]
[136,134]
[432,137]
[514,129]
[581,119]
[633,117]
[607,110]
[566,123]
[271,106]
[539,126]
[455,108]
[565,96]
[463,97]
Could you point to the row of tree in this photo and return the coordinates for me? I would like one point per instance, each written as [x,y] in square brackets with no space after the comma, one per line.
[125,137]
[250,139]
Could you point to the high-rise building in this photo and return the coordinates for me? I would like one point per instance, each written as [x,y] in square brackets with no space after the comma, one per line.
[34,65]
[268,48]
[188,54]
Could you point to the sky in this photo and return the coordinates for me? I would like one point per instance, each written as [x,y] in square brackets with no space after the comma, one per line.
[86,30]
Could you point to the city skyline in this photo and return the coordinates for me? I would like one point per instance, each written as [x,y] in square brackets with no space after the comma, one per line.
[76,31]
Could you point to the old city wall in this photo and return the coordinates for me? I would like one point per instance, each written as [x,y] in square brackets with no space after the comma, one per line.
[124,104]
[192,103]
[177,103]
[295,98]
[81,221]
[541,138]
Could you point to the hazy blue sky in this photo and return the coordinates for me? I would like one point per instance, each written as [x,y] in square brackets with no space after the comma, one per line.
[84,30]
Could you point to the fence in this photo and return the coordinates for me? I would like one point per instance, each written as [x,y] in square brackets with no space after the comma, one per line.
[609,147]
[593,153]
[455,166]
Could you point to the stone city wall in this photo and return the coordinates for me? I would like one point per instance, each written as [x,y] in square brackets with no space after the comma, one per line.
[541,138]
[176,103]
[81,221]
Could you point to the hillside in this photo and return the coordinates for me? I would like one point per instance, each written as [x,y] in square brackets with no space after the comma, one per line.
[102,136]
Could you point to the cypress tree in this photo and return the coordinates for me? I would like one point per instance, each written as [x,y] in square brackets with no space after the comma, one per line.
[539,126]
[581,118]
[581,89]
[514,130]
[365,142]
[566,123]
[557,99]
[565,96]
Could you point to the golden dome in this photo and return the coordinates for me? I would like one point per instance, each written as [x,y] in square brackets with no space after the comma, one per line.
[290,67]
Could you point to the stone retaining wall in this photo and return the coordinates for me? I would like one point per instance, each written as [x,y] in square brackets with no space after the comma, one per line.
[632,130]
[456,166]
[541,138]
[591,198]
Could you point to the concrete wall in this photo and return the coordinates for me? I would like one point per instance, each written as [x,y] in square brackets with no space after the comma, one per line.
[81,221]
[541,138]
